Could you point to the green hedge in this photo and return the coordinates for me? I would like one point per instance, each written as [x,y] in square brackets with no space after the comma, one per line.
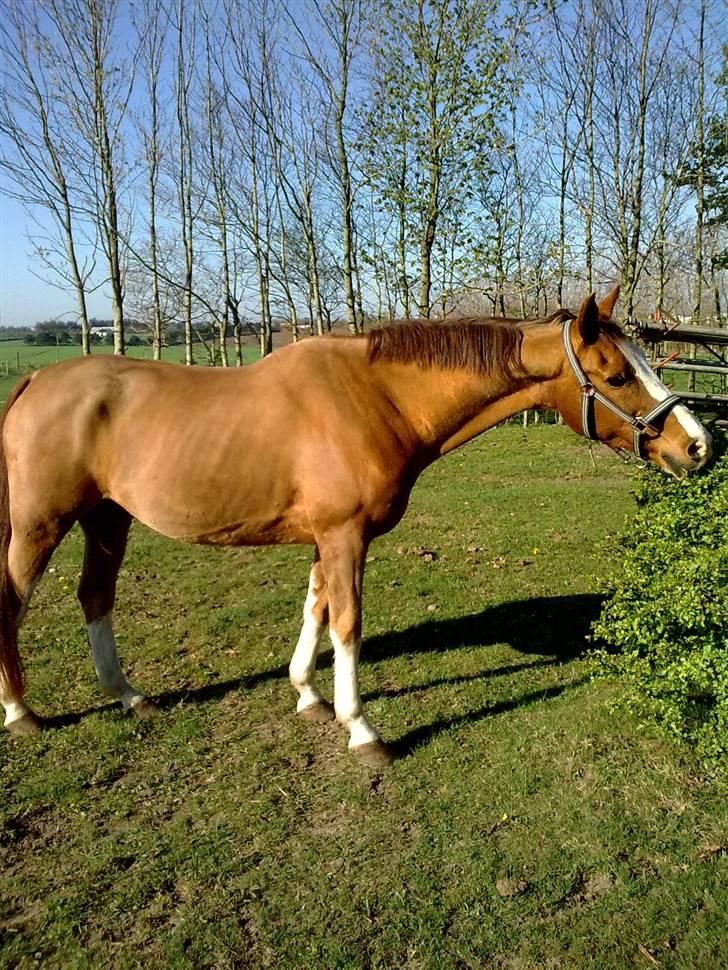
[664,626]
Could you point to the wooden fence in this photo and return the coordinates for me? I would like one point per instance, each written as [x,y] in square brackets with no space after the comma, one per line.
[679,350]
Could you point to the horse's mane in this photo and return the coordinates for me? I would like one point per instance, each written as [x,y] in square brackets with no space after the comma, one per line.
[477,344]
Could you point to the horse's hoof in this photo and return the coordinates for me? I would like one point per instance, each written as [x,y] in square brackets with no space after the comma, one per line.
[144,709]
[320,711]
[374,754]
[23,727]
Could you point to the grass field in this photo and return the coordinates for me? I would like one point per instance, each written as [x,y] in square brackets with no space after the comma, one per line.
[17,357]
[521,826]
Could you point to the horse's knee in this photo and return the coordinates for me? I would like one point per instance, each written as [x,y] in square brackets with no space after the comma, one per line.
[317,601]
[348,633]
[320,611]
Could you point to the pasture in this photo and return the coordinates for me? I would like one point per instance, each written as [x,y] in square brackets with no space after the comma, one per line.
[30,357]
[522,825]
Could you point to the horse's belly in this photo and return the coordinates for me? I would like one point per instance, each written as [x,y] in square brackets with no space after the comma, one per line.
[216,505]
[224,527]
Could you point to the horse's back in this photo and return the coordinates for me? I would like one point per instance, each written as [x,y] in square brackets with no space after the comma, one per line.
[216,455]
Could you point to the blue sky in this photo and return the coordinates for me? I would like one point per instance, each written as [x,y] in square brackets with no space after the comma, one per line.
[24,298]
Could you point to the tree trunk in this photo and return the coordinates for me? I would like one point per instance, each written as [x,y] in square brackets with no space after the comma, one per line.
[402,237]
[428,234]
[589,214]
[184,184]
[700,173]
[346,234]
[109,213]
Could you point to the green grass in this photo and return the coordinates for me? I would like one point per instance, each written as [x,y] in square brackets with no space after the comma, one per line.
[522,825]
[17,357]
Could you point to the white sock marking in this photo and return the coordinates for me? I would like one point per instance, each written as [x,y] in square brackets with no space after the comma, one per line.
[302,668]
[347,698]
[14,710]
[106,662]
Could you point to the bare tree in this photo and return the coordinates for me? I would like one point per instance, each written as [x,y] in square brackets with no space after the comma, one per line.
[217,166]
[185,27]
[437,97]
[571,81]
[292,129]
[95,86]
[700,171]
[634,52]
[151,30]
[341,24]
[246,94]
[36,139]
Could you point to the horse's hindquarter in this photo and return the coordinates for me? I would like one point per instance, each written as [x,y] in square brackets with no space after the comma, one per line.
[266,454]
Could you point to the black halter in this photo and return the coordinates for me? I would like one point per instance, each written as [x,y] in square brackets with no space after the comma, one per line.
[590,394]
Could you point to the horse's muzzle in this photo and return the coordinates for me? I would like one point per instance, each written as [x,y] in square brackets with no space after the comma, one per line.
[697,455]
[700,451]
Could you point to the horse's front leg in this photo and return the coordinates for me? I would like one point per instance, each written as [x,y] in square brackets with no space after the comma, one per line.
[302,670]
[342,557]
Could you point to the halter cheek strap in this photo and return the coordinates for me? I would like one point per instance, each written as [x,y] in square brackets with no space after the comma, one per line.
[590,394]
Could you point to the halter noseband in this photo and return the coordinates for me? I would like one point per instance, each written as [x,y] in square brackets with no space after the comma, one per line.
[590,394]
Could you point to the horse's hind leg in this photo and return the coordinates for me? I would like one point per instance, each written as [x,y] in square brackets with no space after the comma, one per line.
[30,547]
[302,670]
[106,529]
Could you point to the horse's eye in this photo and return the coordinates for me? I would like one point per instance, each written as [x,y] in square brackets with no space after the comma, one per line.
[617,380]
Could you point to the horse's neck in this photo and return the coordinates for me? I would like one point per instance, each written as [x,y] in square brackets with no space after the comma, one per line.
[446,408]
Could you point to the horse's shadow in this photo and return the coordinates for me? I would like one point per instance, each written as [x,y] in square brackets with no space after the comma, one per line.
[552,627]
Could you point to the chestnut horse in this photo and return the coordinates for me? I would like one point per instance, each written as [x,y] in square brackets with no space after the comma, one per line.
[319,443]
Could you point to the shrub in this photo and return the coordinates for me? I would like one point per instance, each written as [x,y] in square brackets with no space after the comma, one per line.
[664,626]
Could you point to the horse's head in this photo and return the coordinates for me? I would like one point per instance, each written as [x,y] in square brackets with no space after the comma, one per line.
[608,391]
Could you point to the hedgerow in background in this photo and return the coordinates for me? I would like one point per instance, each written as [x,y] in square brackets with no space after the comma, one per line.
[664,626]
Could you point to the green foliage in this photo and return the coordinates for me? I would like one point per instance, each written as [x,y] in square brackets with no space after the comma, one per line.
[53,338]
[430,126]
[667,612]
[712,166]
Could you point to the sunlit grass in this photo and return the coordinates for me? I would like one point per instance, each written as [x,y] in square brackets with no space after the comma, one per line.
[522,826]
[17,357]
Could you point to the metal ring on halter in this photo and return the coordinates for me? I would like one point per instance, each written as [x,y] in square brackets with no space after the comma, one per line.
[640,425]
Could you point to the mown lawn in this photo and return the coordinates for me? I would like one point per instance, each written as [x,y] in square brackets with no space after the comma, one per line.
[17,357]
[522,825]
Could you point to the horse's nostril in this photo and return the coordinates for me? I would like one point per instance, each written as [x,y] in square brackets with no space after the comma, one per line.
[696,450]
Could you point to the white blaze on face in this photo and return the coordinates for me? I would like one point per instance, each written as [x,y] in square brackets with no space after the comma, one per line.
[654,386]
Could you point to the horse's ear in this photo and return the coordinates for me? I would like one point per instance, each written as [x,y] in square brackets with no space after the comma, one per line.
[606,306]
[587,323]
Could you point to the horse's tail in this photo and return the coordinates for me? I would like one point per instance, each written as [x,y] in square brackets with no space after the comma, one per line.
[11,669]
